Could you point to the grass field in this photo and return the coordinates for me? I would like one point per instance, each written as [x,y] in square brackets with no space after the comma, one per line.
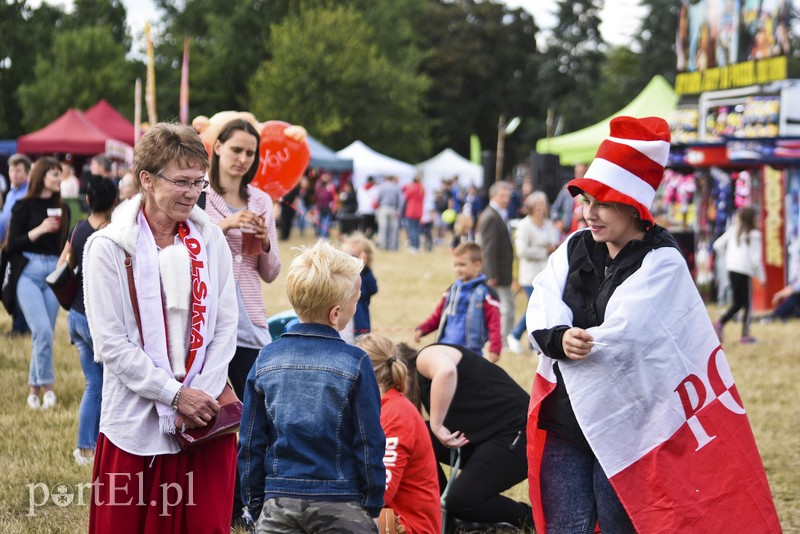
[37,446]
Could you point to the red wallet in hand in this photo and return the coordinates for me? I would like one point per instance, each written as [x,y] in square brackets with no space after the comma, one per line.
[224,423]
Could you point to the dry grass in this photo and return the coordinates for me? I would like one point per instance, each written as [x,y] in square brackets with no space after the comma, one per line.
[37,447]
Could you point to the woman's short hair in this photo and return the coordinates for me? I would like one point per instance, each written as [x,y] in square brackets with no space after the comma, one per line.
[533,198]
[38,172]
[390,370]
[319,278]
[227,131]
[166,142]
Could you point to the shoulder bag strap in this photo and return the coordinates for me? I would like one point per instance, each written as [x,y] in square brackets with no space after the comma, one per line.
[132,291]
[70,255]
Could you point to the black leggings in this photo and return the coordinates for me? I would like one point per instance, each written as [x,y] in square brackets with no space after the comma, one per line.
[238,369]
[487,470]
[742,289]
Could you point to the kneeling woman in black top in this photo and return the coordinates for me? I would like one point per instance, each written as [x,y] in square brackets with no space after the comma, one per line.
[475,405]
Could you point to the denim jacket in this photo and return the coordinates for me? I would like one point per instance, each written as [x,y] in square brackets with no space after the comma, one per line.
[311,425]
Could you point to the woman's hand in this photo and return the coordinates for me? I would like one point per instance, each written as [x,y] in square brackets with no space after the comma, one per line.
[450,440]
[782,294]
[296,133]
[197,407]
[243,219]
[575,343]
[48,226]
[181,423]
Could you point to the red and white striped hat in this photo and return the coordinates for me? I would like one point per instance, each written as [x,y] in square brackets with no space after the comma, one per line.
[629,164]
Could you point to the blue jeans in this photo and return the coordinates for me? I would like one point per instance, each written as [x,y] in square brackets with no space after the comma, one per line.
[324,225]
[412,225]
[89,411]
[790,307]
[576,492]
[521,325]
[40,308]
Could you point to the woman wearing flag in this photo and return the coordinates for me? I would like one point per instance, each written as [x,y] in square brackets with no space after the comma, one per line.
[159,288]
[630,361]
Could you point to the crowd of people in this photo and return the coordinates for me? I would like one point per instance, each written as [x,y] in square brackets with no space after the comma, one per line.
[172,259]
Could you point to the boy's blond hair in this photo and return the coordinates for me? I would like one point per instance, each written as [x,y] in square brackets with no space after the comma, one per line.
[470,249]
[359,241]
[319,278]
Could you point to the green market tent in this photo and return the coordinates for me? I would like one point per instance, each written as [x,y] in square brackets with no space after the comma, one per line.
[656,100]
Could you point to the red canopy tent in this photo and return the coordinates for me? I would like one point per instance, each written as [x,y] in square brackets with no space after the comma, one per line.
[107,118]
[72,132]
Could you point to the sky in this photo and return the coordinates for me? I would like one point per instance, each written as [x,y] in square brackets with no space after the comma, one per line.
[619,17]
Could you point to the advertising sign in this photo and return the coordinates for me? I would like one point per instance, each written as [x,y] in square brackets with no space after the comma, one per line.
[731,43]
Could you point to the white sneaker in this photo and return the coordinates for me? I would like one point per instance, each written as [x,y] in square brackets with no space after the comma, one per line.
[513,344]
[33,402]
[81,459]
[49,400]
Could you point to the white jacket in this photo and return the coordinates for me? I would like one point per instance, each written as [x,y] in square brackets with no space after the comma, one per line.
[740,257]
[531,244]
[131,381]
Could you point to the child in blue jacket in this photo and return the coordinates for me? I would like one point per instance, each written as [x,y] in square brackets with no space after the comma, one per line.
[311,452]
[468,313]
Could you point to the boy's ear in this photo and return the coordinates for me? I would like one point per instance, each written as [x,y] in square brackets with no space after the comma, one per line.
[333,315]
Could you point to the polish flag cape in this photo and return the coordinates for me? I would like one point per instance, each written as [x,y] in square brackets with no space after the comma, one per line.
[658,405]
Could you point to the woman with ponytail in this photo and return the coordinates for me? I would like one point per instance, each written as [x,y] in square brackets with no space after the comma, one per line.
[101,197]
[412,488]
[740,248]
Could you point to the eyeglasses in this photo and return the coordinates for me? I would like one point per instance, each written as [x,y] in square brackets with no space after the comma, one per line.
[185,185]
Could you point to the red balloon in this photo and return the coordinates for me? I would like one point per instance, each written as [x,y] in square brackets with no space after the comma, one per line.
[282,160]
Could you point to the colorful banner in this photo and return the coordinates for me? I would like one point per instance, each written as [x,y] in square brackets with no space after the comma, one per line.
[734,43]
[184,96]
[137,111]
[771,150]
[150,90]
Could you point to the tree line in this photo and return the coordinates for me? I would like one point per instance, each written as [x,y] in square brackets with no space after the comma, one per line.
[407,77]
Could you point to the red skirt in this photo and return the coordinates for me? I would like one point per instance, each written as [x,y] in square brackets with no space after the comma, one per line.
[177,493]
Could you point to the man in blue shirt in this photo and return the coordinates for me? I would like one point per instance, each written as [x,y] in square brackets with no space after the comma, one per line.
[19,167]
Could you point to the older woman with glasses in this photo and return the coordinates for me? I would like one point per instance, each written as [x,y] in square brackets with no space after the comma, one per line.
[158,293]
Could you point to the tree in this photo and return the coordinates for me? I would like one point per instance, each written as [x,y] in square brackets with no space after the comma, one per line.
[573,63]
[230,40]
[656,41]
[336,82]
[108,13]
[619,82]
[227,45]
[25,33]
[482,62]
[85,65]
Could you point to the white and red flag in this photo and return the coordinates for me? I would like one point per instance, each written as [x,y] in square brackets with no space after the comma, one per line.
[657,404]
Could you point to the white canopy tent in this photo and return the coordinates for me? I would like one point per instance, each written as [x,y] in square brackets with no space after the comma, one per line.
[367,162]
[447,164]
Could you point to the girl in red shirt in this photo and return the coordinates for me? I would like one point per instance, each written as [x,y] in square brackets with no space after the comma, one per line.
[412,488]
